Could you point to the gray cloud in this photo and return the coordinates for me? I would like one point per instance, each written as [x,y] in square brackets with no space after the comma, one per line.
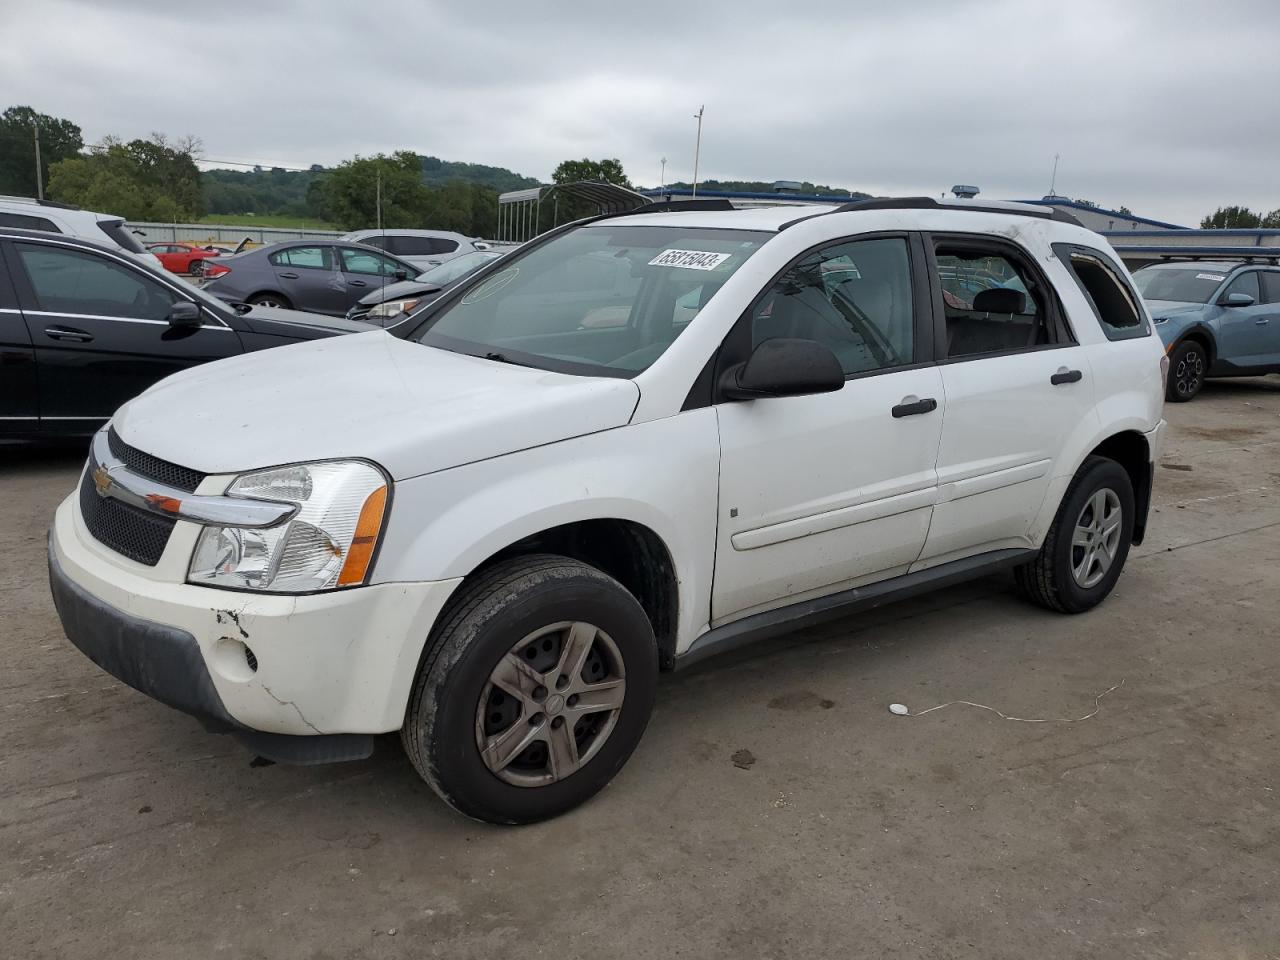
[1163,106]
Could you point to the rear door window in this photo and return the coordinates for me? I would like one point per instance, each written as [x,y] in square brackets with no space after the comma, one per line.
[28,223]
[307,258]
[1270,286]
[1112,297]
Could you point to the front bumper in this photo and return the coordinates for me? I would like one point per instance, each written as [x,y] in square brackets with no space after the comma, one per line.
[321,666]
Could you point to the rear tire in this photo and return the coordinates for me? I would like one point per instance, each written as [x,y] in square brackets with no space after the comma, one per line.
[499,723]
[270,300]
[1085,549]
[1188,365]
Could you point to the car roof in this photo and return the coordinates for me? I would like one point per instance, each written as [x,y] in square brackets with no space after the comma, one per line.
[405,232]
[1223,266]
[914,212]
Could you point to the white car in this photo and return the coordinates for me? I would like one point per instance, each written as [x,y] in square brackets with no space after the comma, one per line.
[423,248]
[51,217]
[491,529]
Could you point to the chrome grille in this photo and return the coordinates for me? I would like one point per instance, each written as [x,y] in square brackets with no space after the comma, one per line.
[153,468]
[131,532]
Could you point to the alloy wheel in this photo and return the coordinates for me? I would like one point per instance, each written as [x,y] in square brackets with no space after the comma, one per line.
[1096,538]
[550,704]
[1189,372]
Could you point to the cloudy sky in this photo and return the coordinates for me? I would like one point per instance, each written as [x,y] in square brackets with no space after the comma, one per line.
[1148,103]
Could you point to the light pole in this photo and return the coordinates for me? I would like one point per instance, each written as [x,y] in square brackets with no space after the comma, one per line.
[39,179]
[663,176]
[697,149]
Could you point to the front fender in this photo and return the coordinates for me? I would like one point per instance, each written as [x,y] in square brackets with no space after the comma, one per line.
[446,524]
[1178,328]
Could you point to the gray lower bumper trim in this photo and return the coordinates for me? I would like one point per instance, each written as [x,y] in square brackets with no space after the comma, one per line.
[165,663]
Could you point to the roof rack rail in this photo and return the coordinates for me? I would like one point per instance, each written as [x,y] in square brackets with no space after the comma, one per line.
[1251,257]
[929,203]
[680,206]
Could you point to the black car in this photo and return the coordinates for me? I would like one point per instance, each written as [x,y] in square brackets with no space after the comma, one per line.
[85,327]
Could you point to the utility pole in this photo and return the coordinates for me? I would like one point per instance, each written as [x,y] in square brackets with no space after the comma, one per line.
[378,198]
[697,149]
[39,179]
[663,177]
[1053,182]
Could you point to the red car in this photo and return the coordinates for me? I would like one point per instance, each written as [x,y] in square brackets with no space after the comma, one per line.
[182,257]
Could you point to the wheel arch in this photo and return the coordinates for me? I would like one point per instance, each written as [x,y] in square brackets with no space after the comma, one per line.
[627,550]
[1203,335]
[1130,449]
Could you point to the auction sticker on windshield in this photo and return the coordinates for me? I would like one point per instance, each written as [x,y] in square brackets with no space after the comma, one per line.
[689,259]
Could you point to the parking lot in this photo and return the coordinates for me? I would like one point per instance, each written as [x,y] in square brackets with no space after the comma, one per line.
[775,808]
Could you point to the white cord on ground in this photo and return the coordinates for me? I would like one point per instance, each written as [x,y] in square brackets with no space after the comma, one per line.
[903,711]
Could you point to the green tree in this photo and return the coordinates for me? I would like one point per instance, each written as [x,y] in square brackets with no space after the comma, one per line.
[1228,218]
[350,191]
[1272,220]
[59,140]
[1125,210]
[141,180]
[602,171]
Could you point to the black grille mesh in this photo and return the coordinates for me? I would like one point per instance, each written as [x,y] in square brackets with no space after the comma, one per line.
[134,533]
[153,468]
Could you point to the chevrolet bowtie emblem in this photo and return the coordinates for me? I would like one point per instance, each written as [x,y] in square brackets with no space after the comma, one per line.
[101,481]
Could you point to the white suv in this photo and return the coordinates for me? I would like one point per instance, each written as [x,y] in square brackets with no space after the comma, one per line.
[423,248]
[71,221]
[490,528]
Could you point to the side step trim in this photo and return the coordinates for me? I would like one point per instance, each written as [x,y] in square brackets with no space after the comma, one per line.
[810,613]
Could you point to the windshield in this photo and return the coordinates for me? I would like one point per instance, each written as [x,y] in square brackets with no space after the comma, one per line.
[1192,285]
[603,300]
[451,270]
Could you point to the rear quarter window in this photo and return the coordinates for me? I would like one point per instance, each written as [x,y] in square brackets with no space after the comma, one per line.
[28,223]
[1115,303]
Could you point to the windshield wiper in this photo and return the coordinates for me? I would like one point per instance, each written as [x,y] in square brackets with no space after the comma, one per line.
[503,358]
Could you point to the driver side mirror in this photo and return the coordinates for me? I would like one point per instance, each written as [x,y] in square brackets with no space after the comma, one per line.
[1236,300]
[401,275]
[783,368]
[184,313]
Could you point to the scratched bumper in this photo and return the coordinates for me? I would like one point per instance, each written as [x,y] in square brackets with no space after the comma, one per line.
[328,664]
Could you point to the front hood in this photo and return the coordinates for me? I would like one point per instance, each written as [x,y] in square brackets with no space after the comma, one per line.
[414,409]
[399,290]
[1171,308]
[279,322]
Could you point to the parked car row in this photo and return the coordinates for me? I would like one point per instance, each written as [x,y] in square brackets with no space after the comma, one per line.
[1217,318]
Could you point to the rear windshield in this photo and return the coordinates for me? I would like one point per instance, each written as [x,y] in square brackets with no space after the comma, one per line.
[1192,285]
[604,300]
[120,235]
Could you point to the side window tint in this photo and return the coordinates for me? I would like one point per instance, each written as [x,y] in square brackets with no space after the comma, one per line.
[68,281]
[854,298]
[1246,283]
[992,303]
[441,245]
[28,223]
[308,258]
[381,242]
[1270,286]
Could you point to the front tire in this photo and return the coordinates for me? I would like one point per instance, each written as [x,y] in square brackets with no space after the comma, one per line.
[536,687]
[1188,364]
[1085,549]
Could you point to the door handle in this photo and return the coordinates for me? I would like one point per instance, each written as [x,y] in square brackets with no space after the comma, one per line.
[70,334]
[1066,376]
[357,283]
[912,406]
[287,276]
[1262,321]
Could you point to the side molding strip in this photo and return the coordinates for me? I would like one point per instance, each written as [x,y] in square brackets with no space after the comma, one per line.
[809,613]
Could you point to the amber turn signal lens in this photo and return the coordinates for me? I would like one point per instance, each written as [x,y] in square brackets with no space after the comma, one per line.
[360,553]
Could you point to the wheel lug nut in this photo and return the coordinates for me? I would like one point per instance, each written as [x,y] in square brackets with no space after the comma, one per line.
[540,694]
[557,723]
[573,700]
[535,720]
[561,682]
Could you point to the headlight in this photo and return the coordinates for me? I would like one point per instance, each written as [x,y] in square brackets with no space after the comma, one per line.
[392,307]
[327,543]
